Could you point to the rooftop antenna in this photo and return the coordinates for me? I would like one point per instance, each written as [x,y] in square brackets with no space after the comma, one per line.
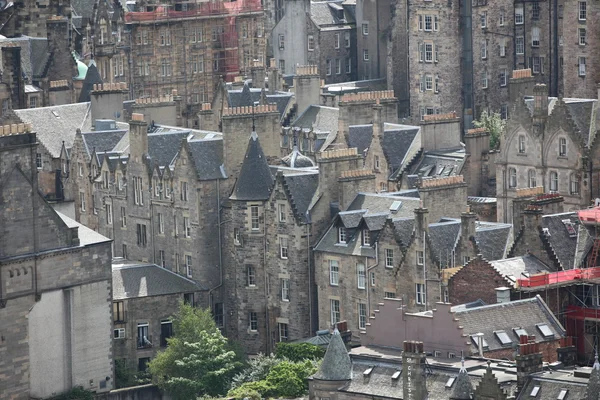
[254,104]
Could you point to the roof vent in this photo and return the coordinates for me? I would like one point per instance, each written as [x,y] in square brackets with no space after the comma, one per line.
[570,228]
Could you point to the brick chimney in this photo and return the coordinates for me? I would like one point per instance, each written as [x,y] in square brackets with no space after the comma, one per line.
[567,352]
[413,371]
[529,360]
[521,84]
[356,109]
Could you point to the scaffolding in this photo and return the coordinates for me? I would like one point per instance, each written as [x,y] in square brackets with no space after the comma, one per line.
[581,317]
[192,46]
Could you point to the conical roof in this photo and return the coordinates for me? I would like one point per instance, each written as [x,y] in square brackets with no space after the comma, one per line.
[92,76]
[592,391]
[462,388]
[255,181]
[247,95]
[336,365]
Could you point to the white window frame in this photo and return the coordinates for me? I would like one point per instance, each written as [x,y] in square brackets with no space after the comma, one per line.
[285,289]
[428,23]
[348,65]
[420,257]
[283,332]
[562,147]
[365,28]
[389,258]
[366,237]
[328,67]
[335,314]
[109,214]
[522,147]
[250,276]
[532,178]
[188,265]
[338,66]
[283,247]
[310,42]
[336,40]
[428,49]
[82,200]
[582,36]
[535,36]
[582,11]
[254,218]
[365,54]
[520,45]
[484,80]
[362,315]
[512,178]
[123,217]
[361,276]
[161,224]
[342,235]
[574,184]
[281,212]
[187,228]
[582,62]
[253,321]
[519,15]
[421,296]
[483,19]
[334,273]
[553,181]
[372,279]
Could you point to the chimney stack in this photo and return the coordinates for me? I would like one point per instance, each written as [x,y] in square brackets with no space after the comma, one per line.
[529,360]
[138,137]
[502,294]
[521,84]
[413,371]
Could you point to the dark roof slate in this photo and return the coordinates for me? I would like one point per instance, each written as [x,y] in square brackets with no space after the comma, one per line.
[145,280]
[91,77]
[101,141]
[323,14]
[562,243]
[301,188]
[255,181]
[208,158]
[443,237]
[336,365]
[512,268]
[523,314]
[164,146]
[247,96]
[493,239]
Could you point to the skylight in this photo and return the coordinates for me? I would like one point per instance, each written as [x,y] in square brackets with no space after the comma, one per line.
[535,391]
[396,205]
[562,395]
[396,375]
[368,371]
[545,330]
[520,332]
[503,338]
[475,340]
[450,382]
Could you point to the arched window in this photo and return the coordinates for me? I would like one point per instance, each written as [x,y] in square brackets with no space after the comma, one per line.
[574,184]
[554,181]
[512,178]
[531,178]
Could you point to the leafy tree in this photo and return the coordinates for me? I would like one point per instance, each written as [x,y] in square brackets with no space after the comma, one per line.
[494,124]
[256,370]
[198,359]
[299,351]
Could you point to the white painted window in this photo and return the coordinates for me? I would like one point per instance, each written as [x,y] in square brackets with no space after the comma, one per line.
[361,274]
[366,237]
[285,289]
[283,332]
[535,36]
[82,201]
[531,176]
[420,291]
[328,67]
[562,147]
[188,265]
[574,184]
[342,235]
[254,218]
[334,273]
[335,311]
[337,40]
[519,15]
[161,258]
[512,178]
[187,227]
[420,257]
[581,66]
[251,275]
[253,321]
[582,10]
[123,217]
[520,45]
[582,36]
[161,223]
[365,28]
[521,144]
[389,258]
[554,181]
[362,316]
[109,214]
[283,248]
[282,213]
[372,278]
[311,43]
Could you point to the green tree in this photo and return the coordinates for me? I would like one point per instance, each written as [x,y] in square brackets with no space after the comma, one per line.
[299,351]
[289,379]
[256,370]
[198,359]
[494,124]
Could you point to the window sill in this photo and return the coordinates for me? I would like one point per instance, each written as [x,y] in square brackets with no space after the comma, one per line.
[252,332]
[389,266]
[341,244]
[521,154]
[334,284]
[283,258]
[251,287]
[563,157]
[285,300]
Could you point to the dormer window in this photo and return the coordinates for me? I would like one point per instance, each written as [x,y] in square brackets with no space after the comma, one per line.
[366,237]
[342,235]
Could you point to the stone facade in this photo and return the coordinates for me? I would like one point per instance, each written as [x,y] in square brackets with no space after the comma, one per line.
[546,147]
[54,279]
[373,20]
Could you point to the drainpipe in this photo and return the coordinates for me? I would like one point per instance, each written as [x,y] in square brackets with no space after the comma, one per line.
[368,277]
[210,292]
[424,273]
[268,336]
[310,309]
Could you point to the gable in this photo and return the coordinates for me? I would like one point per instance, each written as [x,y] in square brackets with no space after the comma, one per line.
[28,222]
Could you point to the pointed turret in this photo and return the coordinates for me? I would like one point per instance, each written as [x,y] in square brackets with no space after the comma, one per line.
[247,95]
[336,365]
[593,388]
[255,181]
[462,388]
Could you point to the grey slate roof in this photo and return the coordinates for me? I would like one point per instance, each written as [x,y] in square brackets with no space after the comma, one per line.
[91,77]
[493,239]
[145,280]
[593,387]
[319,119]
[34,54]
[87,236]
[208,158]
[440,163]
[164,146]
[351,219]
[557,235]
[523,314]
[101,141]
[323,14]
[255,181]
[551,384]
[297,160]
[56,124]
[404,228]
[512,268]
[246,97]
[336,365]
[301,188]
[443,238]
[463,389]
[83,8]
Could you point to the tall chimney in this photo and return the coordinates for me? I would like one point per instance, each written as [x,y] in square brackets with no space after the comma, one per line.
[138,137]
[413,374]
[421,221]
[521,84]
[529,360]
[12,75]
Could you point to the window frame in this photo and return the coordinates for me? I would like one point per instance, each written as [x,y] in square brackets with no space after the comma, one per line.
[335,311]
[283,247]
[254,218]
[253,321]
[362,316]
[334,273]
[512,178]
[342,235]
[582,11]
[250,276]
[361,276]
[421,295]
[519,15]
[389,258]
[285,289]
[553,181]
[562,147]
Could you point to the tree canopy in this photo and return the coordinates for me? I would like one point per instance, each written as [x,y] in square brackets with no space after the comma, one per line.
[494,125]
[198,359]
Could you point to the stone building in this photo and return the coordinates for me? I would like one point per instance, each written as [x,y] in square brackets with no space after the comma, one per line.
[547,142]
[373,19]
[380,245]
[55,287]
[268,274]
[145,296]
[190,47]
[317,33]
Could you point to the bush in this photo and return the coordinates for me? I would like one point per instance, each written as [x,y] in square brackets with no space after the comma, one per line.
[257,369]
[77,393]
[289,379]
[251,390]
[299,351]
